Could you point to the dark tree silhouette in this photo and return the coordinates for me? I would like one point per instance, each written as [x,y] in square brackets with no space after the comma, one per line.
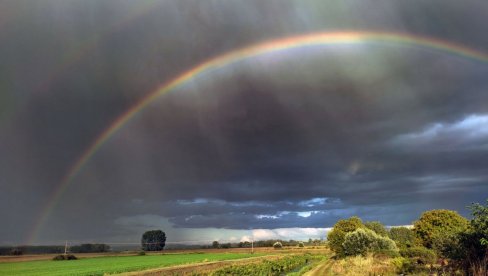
[153,240]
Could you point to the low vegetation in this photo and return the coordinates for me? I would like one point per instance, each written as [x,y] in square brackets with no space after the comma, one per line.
[442,242]
[277,245]
[64,257]
[273,267]
[111,265]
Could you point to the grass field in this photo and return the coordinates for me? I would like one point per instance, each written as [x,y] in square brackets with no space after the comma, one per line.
[110,265]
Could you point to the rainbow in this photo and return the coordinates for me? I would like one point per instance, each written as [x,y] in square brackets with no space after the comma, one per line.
[321,38]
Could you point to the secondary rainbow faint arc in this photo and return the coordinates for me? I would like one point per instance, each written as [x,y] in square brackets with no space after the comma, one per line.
[321,38]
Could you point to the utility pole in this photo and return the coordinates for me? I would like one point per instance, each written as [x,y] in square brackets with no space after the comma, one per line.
[66,248]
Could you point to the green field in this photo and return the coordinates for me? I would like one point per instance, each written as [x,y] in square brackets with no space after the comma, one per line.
[102,265]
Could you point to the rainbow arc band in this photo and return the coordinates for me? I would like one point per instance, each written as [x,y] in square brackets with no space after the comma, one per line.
[321,38]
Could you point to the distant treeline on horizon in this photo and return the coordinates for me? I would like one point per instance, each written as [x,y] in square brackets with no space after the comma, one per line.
[100,247]
[54,249]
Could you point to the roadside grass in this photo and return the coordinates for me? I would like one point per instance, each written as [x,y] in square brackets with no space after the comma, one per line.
[112,265]
[359,265]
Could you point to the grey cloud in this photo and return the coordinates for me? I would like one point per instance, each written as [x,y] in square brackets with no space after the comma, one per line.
[379,130]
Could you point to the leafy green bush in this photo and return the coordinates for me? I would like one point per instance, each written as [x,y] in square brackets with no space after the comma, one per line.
[377,227]
[277,245]
[364,241]
[403,265]
[403,236]
[300,244]
[421,254]
[335,237]
[436,229]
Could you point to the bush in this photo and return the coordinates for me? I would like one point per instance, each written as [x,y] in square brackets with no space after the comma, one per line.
[402,236]
[335,238]
[300,244]
[71,257]
[64,257]
[141,253]
[16,252]
[377,227]
[437,227]
[277,245]
[363,241]
[403,265]
[58,258]
[421,254]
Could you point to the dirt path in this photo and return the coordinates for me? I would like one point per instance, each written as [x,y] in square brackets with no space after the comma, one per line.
[323,268]
[200,267]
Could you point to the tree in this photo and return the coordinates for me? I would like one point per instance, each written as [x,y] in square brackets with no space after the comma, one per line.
[438,229]
[479,223]
[336,236]
[278,245]
[377,227]
[363,241]
[153,240]
[473,249]
[403,237]
[215,244]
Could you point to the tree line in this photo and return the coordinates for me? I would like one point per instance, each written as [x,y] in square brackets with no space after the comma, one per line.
[441,237]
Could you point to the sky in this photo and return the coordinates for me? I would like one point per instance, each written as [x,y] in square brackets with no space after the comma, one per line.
[277,145]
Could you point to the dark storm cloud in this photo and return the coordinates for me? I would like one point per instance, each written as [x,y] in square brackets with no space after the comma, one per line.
[379,131]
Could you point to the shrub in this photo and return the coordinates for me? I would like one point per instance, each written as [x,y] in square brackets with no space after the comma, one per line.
[141,253]
[64,257]
[421,254]
[402,236]
[377,227]
[58,258]
[437,227]
[403,265]
[277,245]
[70,257]
[300,244]
[336,236]
[473,248]
[364,241]
[16,252]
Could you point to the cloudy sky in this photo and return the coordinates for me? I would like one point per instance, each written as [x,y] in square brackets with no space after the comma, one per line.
[282,144]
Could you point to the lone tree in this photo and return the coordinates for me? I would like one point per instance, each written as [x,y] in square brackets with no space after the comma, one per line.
[153,240]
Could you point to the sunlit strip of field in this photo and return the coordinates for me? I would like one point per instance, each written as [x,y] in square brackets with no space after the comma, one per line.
[111,265]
